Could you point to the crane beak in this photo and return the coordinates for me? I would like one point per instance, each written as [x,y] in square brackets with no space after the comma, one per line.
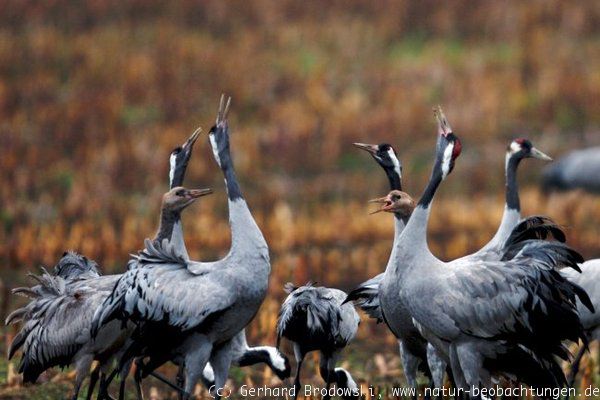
[384,201]
[444,127]
[535,153]
[371,148]
[195,193]
[187,146]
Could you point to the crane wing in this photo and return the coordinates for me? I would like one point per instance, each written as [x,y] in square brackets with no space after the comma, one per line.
[513,300]
[57,322]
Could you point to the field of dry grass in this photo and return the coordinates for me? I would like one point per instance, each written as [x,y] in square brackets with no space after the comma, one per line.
[94,95]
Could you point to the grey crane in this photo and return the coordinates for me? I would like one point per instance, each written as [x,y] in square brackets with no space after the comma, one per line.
[55,332]
[73,294]
[58,319]
[366,295]
[314,318]
[518,150]
[486,318]
[579,169]
[193,310]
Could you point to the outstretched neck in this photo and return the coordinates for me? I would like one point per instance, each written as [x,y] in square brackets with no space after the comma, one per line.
[245,233]
[394,179]
[413,238]
[512,190]
[415,233]
[395,182]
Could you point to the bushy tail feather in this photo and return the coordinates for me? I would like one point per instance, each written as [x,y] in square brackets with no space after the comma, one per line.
[366,297]
[528,367]
[534,228]
[305,313]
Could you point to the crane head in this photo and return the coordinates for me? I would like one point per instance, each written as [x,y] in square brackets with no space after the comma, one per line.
[179,158]
[385,155]
[397,202]
[449,145]
[179,197]
[219,134]
[522,148]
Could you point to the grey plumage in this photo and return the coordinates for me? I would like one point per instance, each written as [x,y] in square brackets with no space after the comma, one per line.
[317,319]
[579,169]
[59,318]
[487,318]
[366,294]
[56,322]
[202,311]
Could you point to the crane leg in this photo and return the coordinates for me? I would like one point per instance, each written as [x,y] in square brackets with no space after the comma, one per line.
[93,380]
[194,363]
[221,362]
[78,382]
[137,378]
[575,367]
[299,355]
[180,380]
[166,381]
[103,387]
[410,365]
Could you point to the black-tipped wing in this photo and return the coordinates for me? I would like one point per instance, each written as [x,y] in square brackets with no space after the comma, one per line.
[366,296]
[161,288]
[317,313]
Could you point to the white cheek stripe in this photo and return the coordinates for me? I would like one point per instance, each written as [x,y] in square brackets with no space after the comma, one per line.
[446,160]
[172,160]
[215,149]
[514,147]
[396,162]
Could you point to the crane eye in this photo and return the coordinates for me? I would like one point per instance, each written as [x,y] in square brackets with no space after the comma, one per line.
[180,192]
[177,150]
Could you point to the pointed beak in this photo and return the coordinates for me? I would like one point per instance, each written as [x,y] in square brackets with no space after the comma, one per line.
[444,127]
[187,146]
[535,153]
[385,204]
[371,148]
[195,193]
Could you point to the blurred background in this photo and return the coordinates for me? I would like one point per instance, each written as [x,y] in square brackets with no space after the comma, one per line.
[94,95]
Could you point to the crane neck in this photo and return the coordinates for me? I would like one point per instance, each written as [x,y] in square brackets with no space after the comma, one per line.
[394,179]
[395,182]
[169,221]
[245,233]
[412,242]
[173,228]
[512,190]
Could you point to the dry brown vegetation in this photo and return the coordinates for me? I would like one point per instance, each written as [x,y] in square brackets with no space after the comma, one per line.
[93,96]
